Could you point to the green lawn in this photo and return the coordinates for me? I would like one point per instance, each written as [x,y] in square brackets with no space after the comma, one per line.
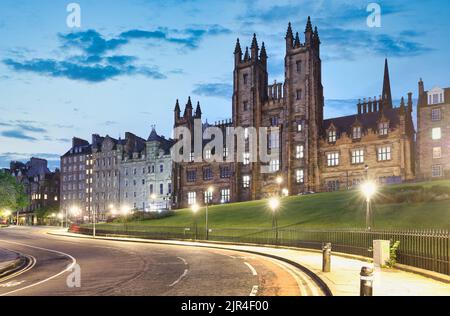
[326,210]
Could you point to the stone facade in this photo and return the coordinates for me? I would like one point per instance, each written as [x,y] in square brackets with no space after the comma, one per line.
[76,179]
[433,137]
[296,109]
[146,175]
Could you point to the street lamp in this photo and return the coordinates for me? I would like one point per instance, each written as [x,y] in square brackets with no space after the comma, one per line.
[369,189]
[195,208]
[7,214]
[209,192]
[61,218]
[153,198]
[274,204]
[125,210]
[74,212]
[279,181]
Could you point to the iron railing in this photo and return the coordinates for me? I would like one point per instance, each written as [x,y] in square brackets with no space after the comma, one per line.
[426,249]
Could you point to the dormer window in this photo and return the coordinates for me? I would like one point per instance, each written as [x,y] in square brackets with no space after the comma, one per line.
[357,132]
[436,96]
[332,136]
[383,128]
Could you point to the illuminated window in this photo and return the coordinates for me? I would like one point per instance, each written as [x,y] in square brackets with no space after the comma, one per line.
[208,197]
[384,153]
[246,182]
[332,136]
[274,140]
[299,127]
[225,196]
[300,152]
[208,154]
[274,165]
[357,156]
[436,133]
[192,198]
[357,132]
[246,159]
[300,176]
[333,159]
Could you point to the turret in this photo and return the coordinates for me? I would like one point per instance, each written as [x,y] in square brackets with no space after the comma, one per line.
[297,41]
[289,37]
[177,111]
[410,102]
[237,52]
[254,48]
[246,55]
[263,55]
[198,111]
[308,32]
[188,110]
[387,95]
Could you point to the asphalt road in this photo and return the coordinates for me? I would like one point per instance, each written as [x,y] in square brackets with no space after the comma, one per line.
[110,268]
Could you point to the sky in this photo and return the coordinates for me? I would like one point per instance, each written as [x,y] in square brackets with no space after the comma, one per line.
[125,66]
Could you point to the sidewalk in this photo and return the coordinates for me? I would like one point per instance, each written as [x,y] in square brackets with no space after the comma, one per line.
[342,281]
[8,260]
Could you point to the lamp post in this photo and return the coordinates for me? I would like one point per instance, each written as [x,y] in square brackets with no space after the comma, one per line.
[274,204]
[195,208]
[279,181]
[61,218]
[125,211]
[368,189]
[209,192]
[7,215]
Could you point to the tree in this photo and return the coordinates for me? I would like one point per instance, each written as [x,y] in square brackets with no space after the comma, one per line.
[12,194]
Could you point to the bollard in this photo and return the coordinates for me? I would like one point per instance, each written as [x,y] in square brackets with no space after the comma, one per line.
[326,261]
[366,284]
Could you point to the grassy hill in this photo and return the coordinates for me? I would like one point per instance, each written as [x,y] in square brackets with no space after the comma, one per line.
[332,210]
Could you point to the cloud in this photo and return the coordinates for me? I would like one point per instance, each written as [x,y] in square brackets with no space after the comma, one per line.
[95,60]
[17,134]
[220,90]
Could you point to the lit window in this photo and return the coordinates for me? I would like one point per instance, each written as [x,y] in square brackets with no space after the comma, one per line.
[383,128]
[246,182]
[225,196]
[332,135]
[436,133]
[274,140]
[208,197]
[208,154]
[246,133]
[274,165]
[357,132]
[300,176]
[437,152]
[436,115]
[436,171]
[333,159]
[192,198]
[299,127]
[225,152]
[357,156]
[384,153]
[191,157]
[246,159]
[300,152]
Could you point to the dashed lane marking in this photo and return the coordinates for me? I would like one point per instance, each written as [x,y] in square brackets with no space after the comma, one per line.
[251,268]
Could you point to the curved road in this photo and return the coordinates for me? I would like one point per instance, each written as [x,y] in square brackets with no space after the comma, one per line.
[121,268]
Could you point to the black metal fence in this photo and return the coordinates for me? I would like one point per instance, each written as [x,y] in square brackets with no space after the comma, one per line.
[426,249]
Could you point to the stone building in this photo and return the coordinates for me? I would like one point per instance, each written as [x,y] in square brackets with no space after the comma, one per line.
[433,136]
[76,180]
[377,143]
[146,174]
[41,186]
[293,112]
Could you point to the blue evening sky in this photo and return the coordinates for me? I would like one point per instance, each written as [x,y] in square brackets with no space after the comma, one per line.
[130,60]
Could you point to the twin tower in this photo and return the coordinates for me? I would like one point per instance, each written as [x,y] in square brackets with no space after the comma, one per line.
[295,107]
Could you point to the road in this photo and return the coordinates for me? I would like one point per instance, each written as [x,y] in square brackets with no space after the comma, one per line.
[113,268]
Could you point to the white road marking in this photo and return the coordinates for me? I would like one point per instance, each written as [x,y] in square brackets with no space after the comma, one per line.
[251,268]
[12,284]
[184,261]
[30,265]
[69,267]
[254,291]
[180,278]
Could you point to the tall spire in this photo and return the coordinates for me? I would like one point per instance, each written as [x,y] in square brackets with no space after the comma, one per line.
[177,107]
[289,37]
[247,55]
[238,49]
[263,55]
[254,48]
[309,25]
[387,95]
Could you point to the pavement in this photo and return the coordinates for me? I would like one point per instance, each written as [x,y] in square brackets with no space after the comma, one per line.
[343,280]
[8,260]
[67,265]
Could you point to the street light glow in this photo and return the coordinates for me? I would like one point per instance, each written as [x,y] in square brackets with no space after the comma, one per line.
[211,189]
[125,210]
[274,203]
[60,216]
[195,208]
[285,192]
[279,180]
[369,189]
[153,196]
[74,211]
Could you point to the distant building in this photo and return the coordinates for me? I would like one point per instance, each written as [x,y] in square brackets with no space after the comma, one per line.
[41,186]
[146,174]
[433,137]
[76,179]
